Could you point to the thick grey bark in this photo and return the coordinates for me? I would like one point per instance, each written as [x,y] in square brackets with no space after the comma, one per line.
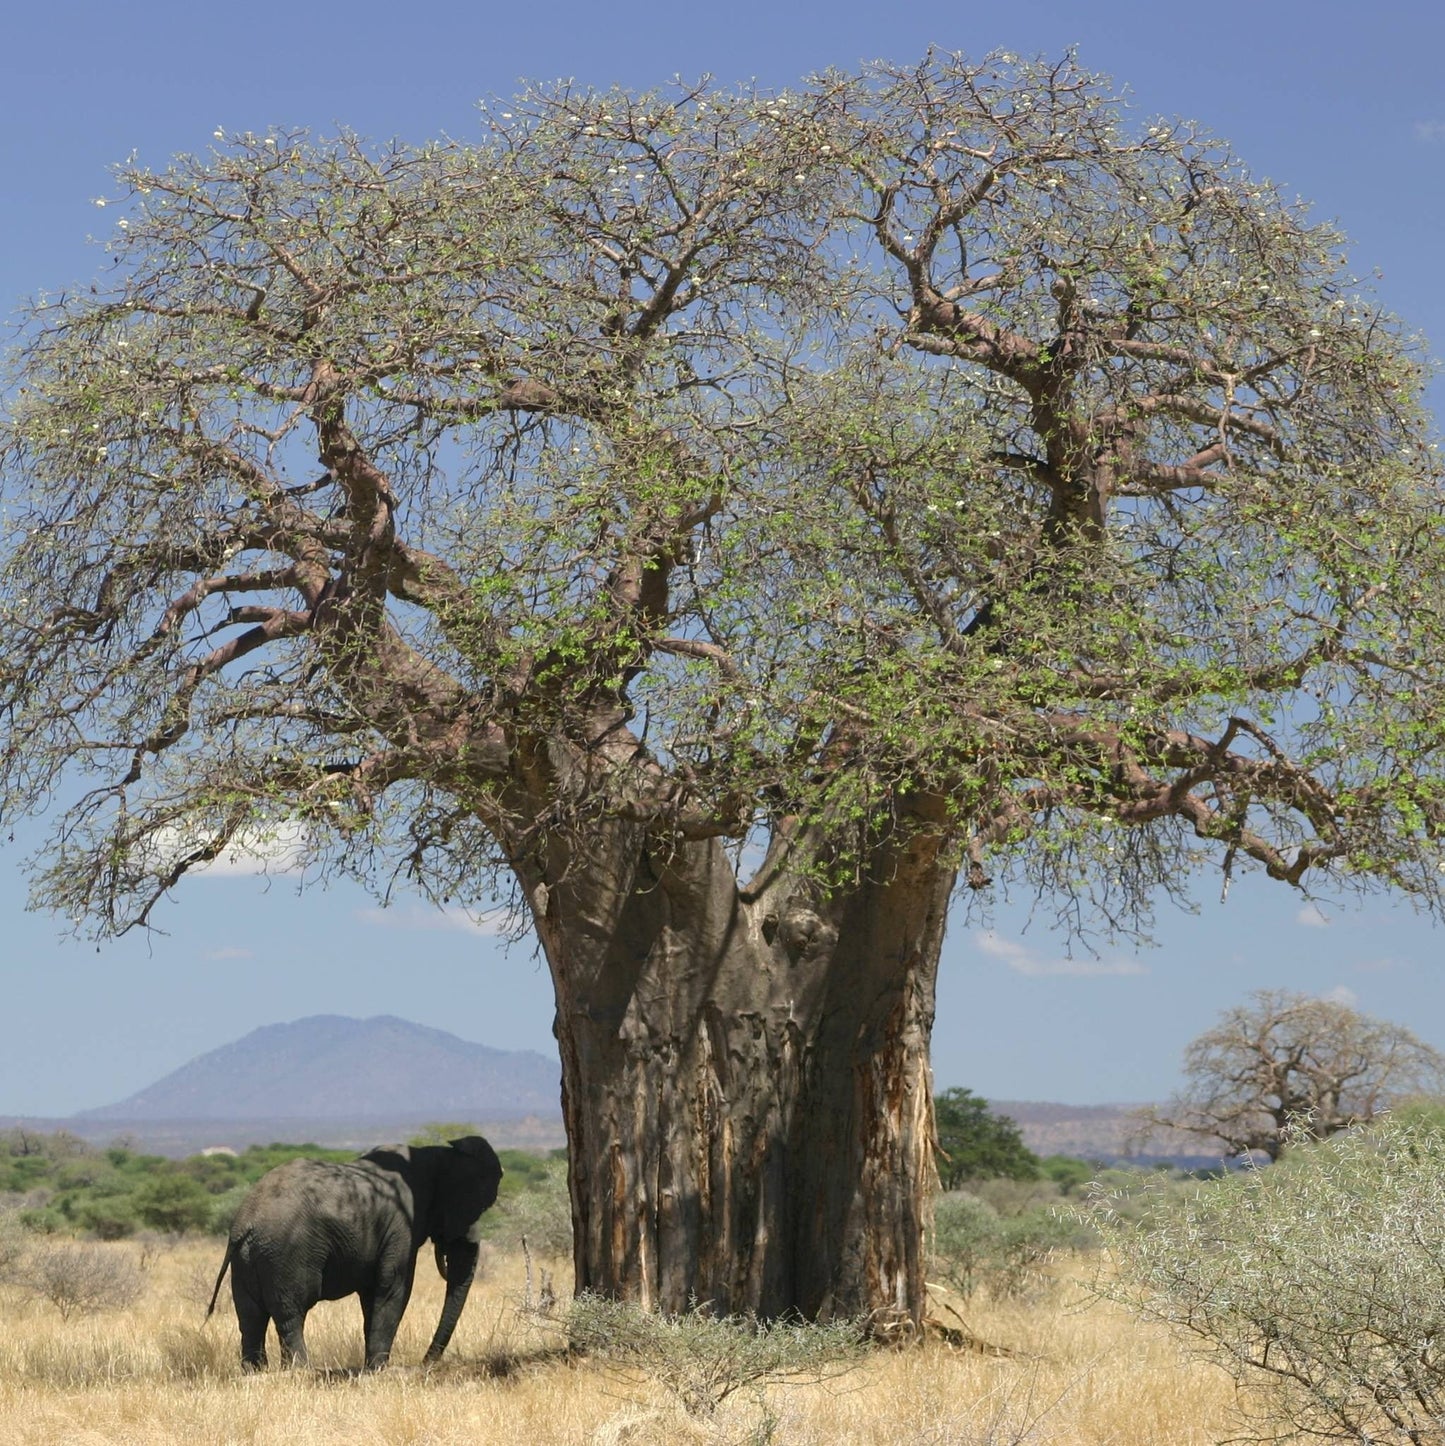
[746,1082]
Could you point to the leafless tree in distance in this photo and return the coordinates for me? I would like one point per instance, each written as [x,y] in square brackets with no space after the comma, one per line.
[1289,1064]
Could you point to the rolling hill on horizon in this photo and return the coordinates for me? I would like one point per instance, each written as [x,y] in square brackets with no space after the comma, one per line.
[337,1079]
[331,1066]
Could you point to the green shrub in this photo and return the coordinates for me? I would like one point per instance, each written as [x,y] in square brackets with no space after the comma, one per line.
[965,1233]
[537,1208]
[1027,1243]
[974,1244]
[108,1219]
[257,1159]
[442,1133]
[1320,1279]
[1016,1197]
[1068,1172]
[215,1174]
[700,1358]
[524,1168]
[44,1220]
[224,1207]
[175,1203]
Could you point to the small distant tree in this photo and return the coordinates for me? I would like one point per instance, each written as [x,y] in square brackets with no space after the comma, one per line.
[1287,1063]
[976,1144]
[1068,1172]
[175,1203]
[25,1143]
[82,1279]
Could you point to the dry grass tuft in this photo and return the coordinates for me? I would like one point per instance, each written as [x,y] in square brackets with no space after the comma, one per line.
[1070,1376]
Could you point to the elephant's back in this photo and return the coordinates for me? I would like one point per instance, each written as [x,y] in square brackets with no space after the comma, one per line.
[285,1194]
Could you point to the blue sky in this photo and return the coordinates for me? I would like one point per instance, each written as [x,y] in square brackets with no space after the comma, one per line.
[1343,104]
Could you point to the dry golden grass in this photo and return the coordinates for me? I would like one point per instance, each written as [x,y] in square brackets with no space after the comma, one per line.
[154,1374]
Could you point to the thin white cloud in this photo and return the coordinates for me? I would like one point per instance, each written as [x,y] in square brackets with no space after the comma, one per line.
[1432,132]
[1380,964]
[278,850]
[1022,960]
[1340,994]
[436,916]
[260,855]
[1311,916]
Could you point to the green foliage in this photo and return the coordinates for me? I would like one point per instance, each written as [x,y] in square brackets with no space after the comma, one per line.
[13,1242]
[811,396]
[1000,1234]
[975,1144]
[1423,1113]
[174,1202]
[700,1358]
[108,1219]
[1068,1172]
[965,1232]
[224,1207]
[975,1245]
[255,1160]
[1316,1282]
[533,1205]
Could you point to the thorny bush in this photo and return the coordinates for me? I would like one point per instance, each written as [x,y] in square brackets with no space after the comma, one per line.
[1317,1280]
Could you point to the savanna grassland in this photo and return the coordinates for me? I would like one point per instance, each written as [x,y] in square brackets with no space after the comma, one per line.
[1060,1371]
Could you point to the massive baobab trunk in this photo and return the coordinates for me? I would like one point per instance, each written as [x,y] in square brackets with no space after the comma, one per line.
[746,1081]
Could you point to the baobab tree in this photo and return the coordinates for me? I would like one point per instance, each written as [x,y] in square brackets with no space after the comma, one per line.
[1287,1065]
[729,521]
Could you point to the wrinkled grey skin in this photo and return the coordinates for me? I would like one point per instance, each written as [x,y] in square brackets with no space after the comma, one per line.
[310,1231]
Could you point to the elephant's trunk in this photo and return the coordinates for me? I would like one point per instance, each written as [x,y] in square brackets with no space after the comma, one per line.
[458,1263]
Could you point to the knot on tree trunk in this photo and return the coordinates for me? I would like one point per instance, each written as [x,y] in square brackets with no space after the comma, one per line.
[801,932]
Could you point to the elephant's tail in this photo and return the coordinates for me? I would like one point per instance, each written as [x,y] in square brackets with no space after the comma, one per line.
[221,1275]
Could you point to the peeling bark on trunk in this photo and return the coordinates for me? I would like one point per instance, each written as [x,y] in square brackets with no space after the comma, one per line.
[746,1083]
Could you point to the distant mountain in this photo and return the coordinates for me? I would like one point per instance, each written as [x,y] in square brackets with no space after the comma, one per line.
[329,1067]
[1100,1132]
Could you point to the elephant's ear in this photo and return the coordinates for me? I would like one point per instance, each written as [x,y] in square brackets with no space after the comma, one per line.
[467,1188]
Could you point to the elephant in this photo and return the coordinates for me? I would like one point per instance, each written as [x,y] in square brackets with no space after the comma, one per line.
[312,1231]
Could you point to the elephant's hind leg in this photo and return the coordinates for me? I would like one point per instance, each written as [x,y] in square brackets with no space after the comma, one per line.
[253,1318]
[290,1327]
[253,1321]
[382,1309]
[368,1328]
